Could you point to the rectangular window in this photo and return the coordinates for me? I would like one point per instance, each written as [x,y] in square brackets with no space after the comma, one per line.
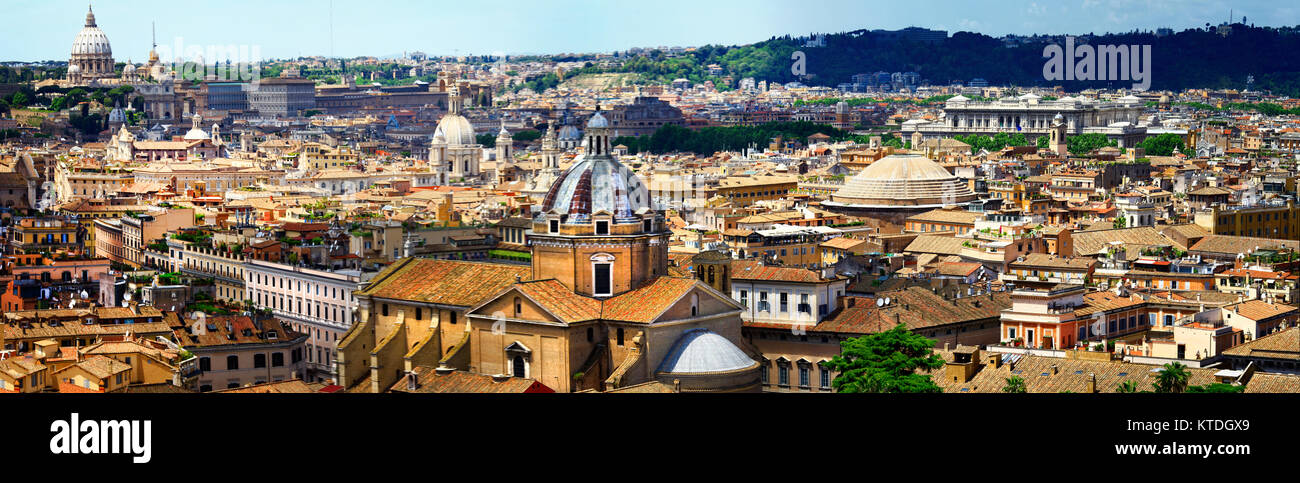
[744,298]
[602,227]
[783,375]
[826,378]
[803,376]
[785,302]
[604,282]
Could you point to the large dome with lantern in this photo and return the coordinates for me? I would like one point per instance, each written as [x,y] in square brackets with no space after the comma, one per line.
[92,56]
[597,183]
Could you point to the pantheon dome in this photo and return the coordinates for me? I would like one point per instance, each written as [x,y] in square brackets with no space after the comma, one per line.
[91,52]
[903,181]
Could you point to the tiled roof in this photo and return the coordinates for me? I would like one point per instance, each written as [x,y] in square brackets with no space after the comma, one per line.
[429,381]
[103,367]
[843,243]
[294,386]
[1053,261]
[1278,345]
[1088,243]
[915,307]
[445,282]
[1263,382]
[957,269]
[755,270]
[557,299]
[645,304]
[242,331]
[944,245]
[1233,245]
[1105,301]
[65,330]
[1189,230]
[947,216]
[1070,375]
[1260,310]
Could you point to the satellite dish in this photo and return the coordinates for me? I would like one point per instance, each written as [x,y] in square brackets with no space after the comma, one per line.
[880,302]
[126,297]
[85,295]
[887,301]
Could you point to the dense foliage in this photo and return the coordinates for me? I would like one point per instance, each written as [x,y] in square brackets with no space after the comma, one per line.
[886,362]
[709,140]
[1193,58]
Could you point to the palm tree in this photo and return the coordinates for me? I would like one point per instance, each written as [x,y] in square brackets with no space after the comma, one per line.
[1015,385]
[1173,378]
[1127,387]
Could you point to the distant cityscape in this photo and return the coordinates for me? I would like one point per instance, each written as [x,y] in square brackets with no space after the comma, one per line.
[657,220]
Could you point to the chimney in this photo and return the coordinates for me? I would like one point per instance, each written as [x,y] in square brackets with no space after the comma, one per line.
[945,347]
[1055,369]
[994,359]
[677,385]
[443,370]
[412,381]
[1092,383]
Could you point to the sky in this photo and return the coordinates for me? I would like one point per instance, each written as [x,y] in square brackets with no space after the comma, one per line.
[386,28]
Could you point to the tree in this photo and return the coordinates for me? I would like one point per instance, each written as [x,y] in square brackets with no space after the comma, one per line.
[1172,378]
[1041,142]
[1217,387]
[1163,145]
[1120,222]
[1015,385]
[1127,387]
[1086,143]
[886,362]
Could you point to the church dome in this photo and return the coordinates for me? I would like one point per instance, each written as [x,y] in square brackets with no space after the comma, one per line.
[904,181]
[569,133]
[91,40]
[597,121]
[700,351]
[196,134]
[595,184]
[456,130]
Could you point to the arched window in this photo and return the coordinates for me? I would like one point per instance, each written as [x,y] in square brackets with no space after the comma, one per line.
[695,305]
[519,306]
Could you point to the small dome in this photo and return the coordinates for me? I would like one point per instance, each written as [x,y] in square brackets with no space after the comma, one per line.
[196,134]
[456,130]
[595,184]
[597,121]
[703,351]
[570,133]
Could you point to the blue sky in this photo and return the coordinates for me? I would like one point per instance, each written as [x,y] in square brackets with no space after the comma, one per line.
[288,28]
